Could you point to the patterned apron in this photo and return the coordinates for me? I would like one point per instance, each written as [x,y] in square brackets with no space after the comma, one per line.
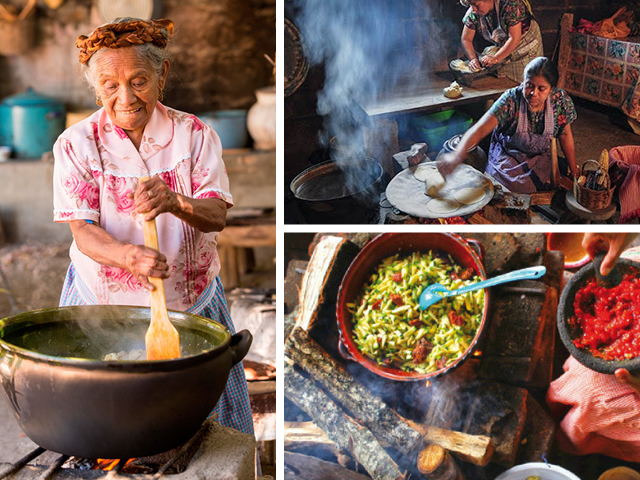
[522,161]
[530,45]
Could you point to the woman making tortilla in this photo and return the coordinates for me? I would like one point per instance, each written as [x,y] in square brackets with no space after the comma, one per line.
[507,24]
[524,120]
[99,164]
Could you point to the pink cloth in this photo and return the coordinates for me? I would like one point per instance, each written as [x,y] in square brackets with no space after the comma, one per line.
[629,193]
[96,166]
[603,416]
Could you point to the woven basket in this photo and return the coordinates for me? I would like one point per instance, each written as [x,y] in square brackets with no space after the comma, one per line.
[593,199]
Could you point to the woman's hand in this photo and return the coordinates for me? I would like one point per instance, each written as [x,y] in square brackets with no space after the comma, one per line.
[93,241]
[448,163]
[612,243]
[489,60]
[624,376]
[153,197]
[145,262]
[474,65]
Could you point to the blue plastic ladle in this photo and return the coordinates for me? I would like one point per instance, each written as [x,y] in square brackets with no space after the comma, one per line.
[436,292]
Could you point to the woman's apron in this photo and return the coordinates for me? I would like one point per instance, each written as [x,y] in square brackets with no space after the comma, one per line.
[522,161]
[530,46]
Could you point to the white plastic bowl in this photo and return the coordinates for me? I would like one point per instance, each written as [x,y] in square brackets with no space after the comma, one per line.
[542,470]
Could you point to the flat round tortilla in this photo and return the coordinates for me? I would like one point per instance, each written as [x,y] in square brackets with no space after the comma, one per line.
[443,205]
[425,171]
[470,195]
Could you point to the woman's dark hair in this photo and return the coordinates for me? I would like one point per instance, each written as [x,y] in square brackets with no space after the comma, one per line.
[542,66]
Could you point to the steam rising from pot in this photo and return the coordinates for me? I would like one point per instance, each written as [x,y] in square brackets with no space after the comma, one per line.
[366,47]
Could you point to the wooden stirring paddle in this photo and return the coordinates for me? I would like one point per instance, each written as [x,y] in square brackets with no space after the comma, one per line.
[162,339]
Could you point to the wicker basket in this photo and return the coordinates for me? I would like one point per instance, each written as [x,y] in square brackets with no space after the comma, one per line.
[593,199]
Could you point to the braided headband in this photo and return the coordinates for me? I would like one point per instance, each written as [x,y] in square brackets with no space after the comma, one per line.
[125,34]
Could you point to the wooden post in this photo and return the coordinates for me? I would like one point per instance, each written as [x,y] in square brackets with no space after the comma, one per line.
[565,46]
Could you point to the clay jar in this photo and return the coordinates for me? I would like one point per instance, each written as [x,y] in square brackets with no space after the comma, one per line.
[475,155]
[261,119]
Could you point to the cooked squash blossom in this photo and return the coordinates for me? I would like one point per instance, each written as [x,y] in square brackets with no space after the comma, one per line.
[390,328]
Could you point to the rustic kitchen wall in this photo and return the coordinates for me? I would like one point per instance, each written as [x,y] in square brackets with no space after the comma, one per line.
[218,53]
[431,29]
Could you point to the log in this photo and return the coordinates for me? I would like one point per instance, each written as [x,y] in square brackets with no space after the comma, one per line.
[305,467]
[318,293]
[476,449]
[308,437]
[384,422]
[436,463]
[344,431]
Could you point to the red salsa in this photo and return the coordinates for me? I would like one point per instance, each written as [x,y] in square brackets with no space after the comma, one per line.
[609,319]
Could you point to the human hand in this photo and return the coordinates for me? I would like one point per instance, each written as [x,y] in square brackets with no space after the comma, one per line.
[153,197]
[624,376]
[488,60]
[144,262]
[474,65]
[447,163]
[613,243]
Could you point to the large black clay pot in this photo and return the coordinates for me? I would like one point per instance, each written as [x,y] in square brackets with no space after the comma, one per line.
[68,400]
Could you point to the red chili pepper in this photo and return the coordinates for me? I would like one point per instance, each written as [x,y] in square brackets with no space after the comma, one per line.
[397,299]
[455,319]
[396,277]
[416,322]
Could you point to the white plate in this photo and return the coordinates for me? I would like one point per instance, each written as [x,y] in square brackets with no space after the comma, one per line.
[542,470]
[112,9]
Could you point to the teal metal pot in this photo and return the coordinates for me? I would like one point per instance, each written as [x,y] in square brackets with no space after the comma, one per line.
[230,125]
[30,123]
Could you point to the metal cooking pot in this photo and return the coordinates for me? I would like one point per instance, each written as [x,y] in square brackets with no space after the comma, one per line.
[466,252]
[568,333]
[325,196]
[30,123]
[69,401]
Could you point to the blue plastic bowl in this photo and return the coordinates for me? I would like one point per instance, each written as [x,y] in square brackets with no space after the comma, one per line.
[230,125]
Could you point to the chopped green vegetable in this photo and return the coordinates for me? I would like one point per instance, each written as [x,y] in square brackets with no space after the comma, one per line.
[389,327]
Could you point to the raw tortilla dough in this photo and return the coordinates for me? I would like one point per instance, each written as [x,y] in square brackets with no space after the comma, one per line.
[470,195]
[430,175]
[443,205]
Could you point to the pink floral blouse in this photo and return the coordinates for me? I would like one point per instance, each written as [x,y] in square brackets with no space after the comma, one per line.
[96,166]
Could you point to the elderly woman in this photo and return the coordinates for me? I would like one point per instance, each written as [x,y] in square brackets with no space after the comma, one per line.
[524,120]
[506,24]
[98,189]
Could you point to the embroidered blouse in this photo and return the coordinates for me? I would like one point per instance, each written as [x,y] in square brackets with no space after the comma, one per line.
[506,109]
[97,165]
[512,12]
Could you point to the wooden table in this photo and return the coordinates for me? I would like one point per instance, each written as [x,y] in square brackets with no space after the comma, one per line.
[427,96]
[381,137]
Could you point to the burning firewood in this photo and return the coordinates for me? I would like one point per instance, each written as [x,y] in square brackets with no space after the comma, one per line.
[330,259]
[436,463]
[404,435]
[346,432]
